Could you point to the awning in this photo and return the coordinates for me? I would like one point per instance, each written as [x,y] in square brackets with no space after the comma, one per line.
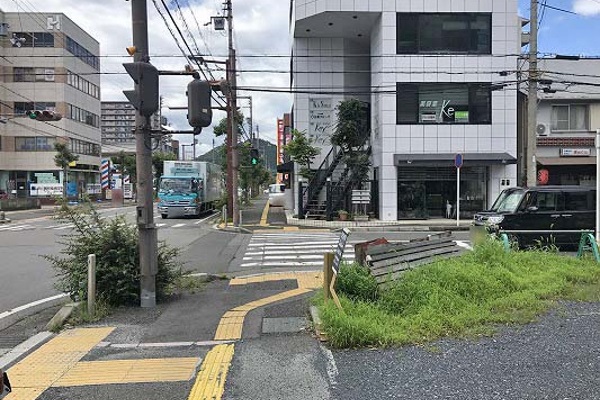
[566,160]
[286,168]
[447,159]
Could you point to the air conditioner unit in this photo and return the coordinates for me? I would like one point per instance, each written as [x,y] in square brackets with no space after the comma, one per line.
[542,130]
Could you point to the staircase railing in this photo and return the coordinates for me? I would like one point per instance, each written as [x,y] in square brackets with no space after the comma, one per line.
[317,182]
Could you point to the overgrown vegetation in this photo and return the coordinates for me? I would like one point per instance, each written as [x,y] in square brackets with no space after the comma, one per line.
[115,243]
[464,296]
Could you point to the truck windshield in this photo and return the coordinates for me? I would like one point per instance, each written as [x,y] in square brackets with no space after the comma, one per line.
[508,201]
[175,185]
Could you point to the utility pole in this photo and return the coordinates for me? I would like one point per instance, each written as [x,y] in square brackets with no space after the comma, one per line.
[232,113]
[145,219]
[532,98]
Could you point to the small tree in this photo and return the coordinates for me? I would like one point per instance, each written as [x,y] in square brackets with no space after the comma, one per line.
[62,159]
[127,163]
[115,243]
[350,134]
[302,152]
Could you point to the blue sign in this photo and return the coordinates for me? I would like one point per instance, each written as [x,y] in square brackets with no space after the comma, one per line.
[458,160]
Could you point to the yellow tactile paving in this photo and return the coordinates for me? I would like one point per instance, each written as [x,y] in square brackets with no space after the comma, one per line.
[265,215]
[41,369]
[290,228]
[129,371]
[306,280]
[210,382]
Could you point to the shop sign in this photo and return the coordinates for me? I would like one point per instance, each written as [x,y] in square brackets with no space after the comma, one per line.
[320,112]
[45,190]
[575,152]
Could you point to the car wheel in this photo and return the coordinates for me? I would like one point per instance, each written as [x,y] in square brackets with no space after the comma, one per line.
[163,216]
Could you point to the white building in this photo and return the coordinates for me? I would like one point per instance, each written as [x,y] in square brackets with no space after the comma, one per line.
[48,63]
[440,78]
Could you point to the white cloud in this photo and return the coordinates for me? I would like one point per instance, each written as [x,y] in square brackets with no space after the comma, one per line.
[586,7]
[261,28]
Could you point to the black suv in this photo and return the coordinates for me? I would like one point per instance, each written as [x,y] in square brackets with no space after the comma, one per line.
[547,214]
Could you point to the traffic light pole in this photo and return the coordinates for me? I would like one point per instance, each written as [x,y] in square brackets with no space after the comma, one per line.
[145,211]
[532,97]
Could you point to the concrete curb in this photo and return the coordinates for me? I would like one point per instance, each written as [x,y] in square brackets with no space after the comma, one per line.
[24,348]
[10,317]
[316,318]
[404,228]
[61,316]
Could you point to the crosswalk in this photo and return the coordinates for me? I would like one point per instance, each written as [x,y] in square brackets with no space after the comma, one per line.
[64,227]
[292,250]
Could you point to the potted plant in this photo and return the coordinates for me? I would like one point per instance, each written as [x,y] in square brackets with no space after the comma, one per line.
[343,215]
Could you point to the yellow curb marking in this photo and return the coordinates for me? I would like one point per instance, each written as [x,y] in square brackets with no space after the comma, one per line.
[210,383]
[265,215]
[42,368]
[129,371]
[306,280]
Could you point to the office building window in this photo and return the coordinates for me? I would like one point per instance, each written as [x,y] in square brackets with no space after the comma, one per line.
[451,33]
[82,53]
[27,74]
[443,103]
[570,117]
[85,148]
[83,85]
[32,39]
[86,117]
[40,143]
[20,107]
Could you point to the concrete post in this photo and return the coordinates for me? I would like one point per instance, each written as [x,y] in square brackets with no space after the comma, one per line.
[91,287]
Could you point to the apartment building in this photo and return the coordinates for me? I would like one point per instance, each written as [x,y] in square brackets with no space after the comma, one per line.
[117,124]
[47,63]
[439,79]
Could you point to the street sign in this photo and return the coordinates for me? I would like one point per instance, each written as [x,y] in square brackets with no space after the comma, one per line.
[339,251]
[458,160]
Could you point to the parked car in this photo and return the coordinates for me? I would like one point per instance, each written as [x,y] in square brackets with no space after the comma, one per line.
[277,195]
[544,214]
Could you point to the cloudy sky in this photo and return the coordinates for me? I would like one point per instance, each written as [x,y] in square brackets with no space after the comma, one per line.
[261,32]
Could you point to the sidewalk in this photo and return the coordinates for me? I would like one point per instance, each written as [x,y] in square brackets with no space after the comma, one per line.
[49,210]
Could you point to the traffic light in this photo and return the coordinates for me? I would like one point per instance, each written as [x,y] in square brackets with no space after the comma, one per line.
[144,97]
[45,115]
[254,157]
[199,103]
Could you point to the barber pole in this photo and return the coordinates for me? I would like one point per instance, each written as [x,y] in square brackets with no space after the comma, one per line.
[104,171]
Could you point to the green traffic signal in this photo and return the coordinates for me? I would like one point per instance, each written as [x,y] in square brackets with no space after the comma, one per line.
[254,156]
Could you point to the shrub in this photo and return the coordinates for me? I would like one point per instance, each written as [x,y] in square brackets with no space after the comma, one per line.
[356,282]
[115,244]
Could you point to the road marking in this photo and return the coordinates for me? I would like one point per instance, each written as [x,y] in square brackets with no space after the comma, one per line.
[265,215]
[332,369]
[296,257]
[42,368]
[210,382]
[178,225]
[17,228]
[64,227]
[129,371]
[164,344]
[205,219]
[160,225]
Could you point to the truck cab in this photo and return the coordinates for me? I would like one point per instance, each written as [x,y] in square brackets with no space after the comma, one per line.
[180,196]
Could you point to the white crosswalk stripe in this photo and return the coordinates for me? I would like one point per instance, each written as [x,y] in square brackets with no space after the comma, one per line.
[15,228]
[293,250]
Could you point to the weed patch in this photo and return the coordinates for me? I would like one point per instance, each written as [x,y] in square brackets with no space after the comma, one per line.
[463,296]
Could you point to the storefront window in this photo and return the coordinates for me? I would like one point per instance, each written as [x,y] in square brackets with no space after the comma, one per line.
[430,192]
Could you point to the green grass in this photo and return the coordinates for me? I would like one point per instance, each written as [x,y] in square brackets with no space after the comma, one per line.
[465,296]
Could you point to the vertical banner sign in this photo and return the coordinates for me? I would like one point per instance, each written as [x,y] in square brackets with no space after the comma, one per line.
[458,163]
[104,173]
[320,112]
[335,266]
[280,133]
